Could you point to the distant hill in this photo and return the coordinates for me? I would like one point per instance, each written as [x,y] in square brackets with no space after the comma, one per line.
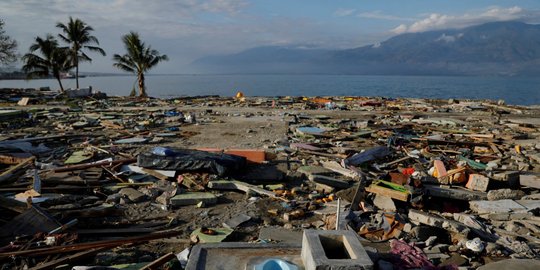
[498,48]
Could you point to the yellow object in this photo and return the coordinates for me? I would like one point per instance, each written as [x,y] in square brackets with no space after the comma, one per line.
[518,149]
[239,94]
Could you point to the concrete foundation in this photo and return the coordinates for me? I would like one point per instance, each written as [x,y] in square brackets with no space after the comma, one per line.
[225,256]
[333,250]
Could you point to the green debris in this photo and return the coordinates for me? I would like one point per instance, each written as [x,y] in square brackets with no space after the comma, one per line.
[78,157]
[473,164]
[220,235]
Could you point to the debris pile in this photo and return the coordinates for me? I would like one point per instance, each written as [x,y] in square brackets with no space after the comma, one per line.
[114,181]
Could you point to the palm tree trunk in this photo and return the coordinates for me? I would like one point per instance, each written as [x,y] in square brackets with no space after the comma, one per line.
[77,74]
[142,89]
[76,62]
[60,83]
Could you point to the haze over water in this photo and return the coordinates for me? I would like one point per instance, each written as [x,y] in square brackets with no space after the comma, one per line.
[514,90]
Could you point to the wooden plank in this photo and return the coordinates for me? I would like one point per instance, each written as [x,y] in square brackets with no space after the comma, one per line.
[13,205]
[245,187]
[395,194]
[155,174]
[71,259]
[93,164]
[11,172]
[155,265]
[336,167]
[14,158]
[115,231]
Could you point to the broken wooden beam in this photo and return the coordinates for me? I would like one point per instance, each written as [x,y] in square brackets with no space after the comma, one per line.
[155,265]
[245,187]
[12,171]
[93,164]
[89,245]
[12,204]
[68,259]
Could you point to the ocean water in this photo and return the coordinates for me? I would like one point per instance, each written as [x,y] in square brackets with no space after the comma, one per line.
[514,90]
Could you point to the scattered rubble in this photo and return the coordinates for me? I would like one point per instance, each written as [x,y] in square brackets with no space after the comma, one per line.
[97,181]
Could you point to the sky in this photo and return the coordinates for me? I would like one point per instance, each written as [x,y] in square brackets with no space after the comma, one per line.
[186,30]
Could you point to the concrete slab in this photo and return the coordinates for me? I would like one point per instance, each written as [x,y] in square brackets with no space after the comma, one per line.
[436,221]
[192,198]
[522,264]
[239,255]
[311,170]
[500,206]
[455,193]
[529,204]
[236,221]
[337,250]
[530,180]
[281,235]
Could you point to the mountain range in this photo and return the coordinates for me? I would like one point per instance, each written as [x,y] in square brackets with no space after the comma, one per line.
[497,48]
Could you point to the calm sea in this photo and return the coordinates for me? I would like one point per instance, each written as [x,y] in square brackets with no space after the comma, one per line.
[520,91]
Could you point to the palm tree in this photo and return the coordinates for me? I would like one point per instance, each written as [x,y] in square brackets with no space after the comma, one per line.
[139,59]
[51,59]
[77,34]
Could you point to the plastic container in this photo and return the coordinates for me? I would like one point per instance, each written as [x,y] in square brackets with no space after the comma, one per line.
[275,264]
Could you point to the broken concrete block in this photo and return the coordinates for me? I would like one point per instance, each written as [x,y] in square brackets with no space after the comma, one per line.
[311,170]
[529,204]
[457,193]
[439,169]
[384,203]
[132,194]
[512,177]
[436,221]
[236,221]
[501,194]
[193,198]
[339,250]
[500,206]
[477,182]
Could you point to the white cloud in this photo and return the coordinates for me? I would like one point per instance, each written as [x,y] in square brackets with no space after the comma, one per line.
[436,21]
[402,28]
[344,12]
[379,15]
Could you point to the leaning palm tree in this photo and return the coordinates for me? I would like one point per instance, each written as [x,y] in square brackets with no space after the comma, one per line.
[77,34]
[139,59]
[46,58]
